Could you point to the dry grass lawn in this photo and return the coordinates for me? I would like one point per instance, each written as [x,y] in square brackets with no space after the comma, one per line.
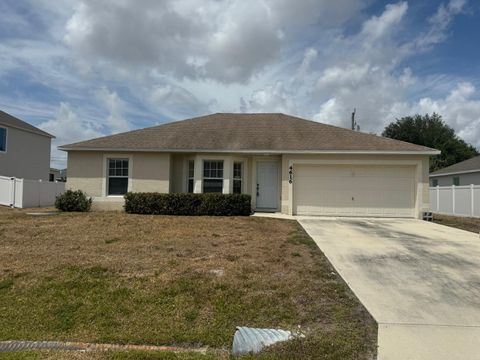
[118,278]
[464,223]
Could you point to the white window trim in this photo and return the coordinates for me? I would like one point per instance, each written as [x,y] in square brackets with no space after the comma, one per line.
[6,140]
[227,171]
[108,156]
[187,174]
[223,161]
[453,180]
[242,177]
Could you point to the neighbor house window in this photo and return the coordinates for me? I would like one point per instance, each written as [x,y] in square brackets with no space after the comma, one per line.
[3,139]
[237,177]
[212,176]
[456,181]
[191,175]
[434,182]
[117,176]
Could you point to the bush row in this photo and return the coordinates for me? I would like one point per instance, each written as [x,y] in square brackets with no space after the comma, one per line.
[188,204]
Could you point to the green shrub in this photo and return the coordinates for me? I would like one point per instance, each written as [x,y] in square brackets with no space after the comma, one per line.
[188,204]
[73,201]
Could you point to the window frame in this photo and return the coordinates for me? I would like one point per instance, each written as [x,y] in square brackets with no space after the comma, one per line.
[237,179]
[456,179]
[108,176]
[6,139]
[190,177]
[222,178]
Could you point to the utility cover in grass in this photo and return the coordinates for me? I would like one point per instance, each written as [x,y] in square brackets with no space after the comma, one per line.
[252,340]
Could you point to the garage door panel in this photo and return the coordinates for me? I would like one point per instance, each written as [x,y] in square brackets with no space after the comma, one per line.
[354,190]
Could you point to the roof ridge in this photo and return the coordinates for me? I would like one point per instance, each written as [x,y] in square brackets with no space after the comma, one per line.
[238,131]
[453,167]
[14,122]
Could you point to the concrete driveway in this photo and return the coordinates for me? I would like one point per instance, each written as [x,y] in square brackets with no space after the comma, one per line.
[419,280]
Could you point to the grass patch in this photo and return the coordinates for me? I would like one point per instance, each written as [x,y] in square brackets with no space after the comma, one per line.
[61,278]
[300,237]
[464,223]
[112,240]
[6,283]
[108,355]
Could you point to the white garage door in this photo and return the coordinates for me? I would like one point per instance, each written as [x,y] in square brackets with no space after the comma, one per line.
[341,190]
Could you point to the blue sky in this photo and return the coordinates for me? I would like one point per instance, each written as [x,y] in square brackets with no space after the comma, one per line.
[87,68]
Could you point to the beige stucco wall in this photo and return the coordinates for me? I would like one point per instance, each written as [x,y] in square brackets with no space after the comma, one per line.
[85,172]
[27,155]
[421,162]
[161,172]
[151,172]
[148,172]
[179,172]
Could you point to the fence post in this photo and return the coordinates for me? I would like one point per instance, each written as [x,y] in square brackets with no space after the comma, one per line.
[438,198]
[39,201]
[12,192]
[453,199]
[472,198]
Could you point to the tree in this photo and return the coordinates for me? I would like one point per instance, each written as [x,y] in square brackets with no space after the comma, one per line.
[431,131]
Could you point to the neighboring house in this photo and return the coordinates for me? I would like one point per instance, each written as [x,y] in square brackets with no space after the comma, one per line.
[463,173]
[24,149]
[57,175]
[287,164]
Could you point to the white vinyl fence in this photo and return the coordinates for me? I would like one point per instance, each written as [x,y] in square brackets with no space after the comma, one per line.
[22,193]
[456,200]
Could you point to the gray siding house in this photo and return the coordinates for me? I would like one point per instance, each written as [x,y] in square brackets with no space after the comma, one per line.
[24,149]
[463,173]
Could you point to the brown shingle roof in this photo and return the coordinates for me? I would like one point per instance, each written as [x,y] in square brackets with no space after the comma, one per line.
[246,132]
[472,164]
[11,121]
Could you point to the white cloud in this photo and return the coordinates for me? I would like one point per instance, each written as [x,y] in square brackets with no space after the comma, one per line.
[228,41]
[109,63]
[116,108]
[439,23]
[68,128]
[174,101]
[273,98]
[379,26]
[460,109]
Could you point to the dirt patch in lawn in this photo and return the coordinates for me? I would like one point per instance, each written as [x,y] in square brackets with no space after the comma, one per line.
[464,223]
[118,278]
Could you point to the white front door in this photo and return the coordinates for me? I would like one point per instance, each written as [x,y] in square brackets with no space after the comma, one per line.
[267,185]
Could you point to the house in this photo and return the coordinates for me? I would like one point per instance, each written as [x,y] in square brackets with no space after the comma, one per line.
[24,149]
[286,163]
[463,173]
[57,175]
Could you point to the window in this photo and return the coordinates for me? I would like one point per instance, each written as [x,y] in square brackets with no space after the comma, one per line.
[434,182]
[456,181]
[51,177]
[212,176]
[191,175]
[237,177]
[3,139]
[117,176]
